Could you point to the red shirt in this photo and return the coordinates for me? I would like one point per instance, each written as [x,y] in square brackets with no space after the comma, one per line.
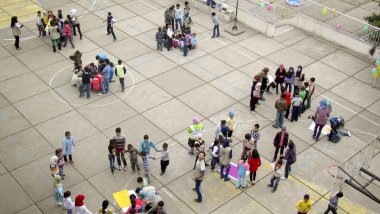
[254,164]
[288,98]
[95,84]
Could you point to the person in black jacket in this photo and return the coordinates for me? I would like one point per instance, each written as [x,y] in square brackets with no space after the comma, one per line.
[280,77]
[86,84]
[290,157]
[280,142]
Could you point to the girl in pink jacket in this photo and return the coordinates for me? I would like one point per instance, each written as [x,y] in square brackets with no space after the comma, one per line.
[68,34]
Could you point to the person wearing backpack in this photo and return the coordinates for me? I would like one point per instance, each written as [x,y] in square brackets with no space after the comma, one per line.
[290,157]
[214,155]
[160,38]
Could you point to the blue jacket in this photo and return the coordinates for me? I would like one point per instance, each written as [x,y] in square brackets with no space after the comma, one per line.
[146,145]
[67,145]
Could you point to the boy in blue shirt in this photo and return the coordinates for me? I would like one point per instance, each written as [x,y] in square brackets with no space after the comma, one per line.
[106,77]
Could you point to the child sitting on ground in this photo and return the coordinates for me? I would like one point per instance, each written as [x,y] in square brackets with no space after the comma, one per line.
[194,41]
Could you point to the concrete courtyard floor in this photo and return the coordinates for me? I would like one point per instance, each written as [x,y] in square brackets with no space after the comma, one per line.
[165,91]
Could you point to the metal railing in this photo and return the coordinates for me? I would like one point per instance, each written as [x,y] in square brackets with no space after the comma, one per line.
[259,8]
[351,26]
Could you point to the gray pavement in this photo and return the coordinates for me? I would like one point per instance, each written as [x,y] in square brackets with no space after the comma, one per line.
[165,91]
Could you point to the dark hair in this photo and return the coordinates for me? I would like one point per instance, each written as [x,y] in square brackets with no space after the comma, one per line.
[138,189]
[306,196]
[109,13]
[119,61]
[291,68]
[223,122]
[257,126]
[118,129]
[104,206]
[142,153]
[60,16]
[57,151]
[213,13]
[52,23]
[66,194]
[296,93]
[247,136]
[283,95]
[300,67]
[59,11]
[255,154]
[339,194]
[291,144]
[38,12]
[146,137]
[280,161]
[165,145]
[129,146]
[160,204]
[312,79]
[107,61]
[159,29]
[177,5]
[132,198]
[306,84]
[13,21]
[216,142]
[67,133]
[186,2]
[139,180]
[97,57]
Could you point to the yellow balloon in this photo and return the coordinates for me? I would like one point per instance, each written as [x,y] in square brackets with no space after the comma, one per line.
[333,10]
[378,68]
[324,11]
[375,75]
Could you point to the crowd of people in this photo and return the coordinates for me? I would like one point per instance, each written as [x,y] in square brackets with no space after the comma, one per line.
[177,34]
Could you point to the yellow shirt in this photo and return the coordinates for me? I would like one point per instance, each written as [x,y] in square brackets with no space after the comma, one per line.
[231,123]
[303,206]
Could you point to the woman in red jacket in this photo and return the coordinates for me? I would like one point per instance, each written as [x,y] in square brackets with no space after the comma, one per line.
[254,162]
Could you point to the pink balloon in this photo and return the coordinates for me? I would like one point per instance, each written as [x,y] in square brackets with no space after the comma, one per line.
[269,7]
[338,27]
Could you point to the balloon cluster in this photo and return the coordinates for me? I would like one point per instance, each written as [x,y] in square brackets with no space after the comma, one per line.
[263,4]
[376,70]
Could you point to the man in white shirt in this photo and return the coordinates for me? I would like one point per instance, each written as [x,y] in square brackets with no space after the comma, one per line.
[178,17]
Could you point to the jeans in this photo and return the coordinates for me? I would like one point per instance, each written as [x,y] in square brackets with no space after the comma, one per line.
[274,182]
[105,85]
[278,84]
[318,127]
[242,180]
[84,87]
[252,176]
[111,158]
[17,42]
[290,87]
[61,171]
[280,119]
[216,28]
[295,113]
[287,111]
[281,149]
[180,24]
[185,50]
[159,45]
[75,33]
[110,30]
[70,38]
[225,176]
[214,161]
[70,211]
[329,208]
[198,189]
[120,157]
[122,83]
[288,168]
[41,30]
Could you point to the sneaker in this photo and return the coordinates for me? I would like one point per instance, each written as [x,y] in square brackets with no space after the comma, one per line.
[269,186]
[60,204]
[349,133]
[119,168]
[125,168]
[275,126]
[198,201]
[243,187]
[283,178]
[227,179]
[162,173]
[114,175]
[273,191]
[100,94]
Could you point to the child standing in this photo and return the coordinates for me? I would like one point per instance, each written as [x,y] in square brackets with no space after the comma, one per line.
[133,153]
[111,155]
[67,202]
[254,162]
[186,12]
[160,38]
[241,168]
[54,169]
[296,103]
[16,31]
[164,158]
[215,155]
[40,25]
[110,20]
[255,135]
[289,79]
[194,41]
[61,162]
[105,209]
[67,147]
[306,86]
[231,123]
[68,33]
[311,92]
[247,147]
[120,71]
[58,190]
[277,173]
[146,164]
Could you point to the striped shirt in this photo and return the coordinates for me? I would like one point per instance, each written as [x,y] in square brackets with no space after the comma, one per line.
[146,162]
[255,136]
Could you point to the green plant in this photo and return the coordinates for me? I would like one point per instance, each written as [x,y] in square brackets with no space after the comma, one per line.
[373,19]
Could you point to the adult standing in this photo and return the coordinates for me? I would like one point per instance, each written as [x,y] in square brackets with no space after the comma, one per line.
[321,117]
[67,146]
[311,92]
[281,106]
[215,20]
[171,12]
[277,173]
[280,142]
[16,30]
[119,139]
[290,157]
[86,84]
[280,76]
[146,145]
[106,74]
[178,17]
[168,19]
[296,103]
[255,95]
[195,131]
[298,79]
[76,24]
[225,156]
[264,82]
[288,98]
[199,173]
